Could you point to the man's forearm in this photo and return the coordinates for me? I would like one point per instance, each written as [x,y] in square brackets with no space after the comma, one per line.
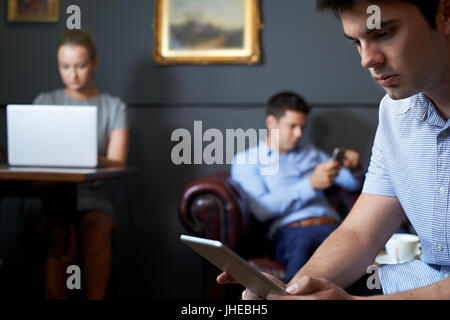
[345,255]
[342,259]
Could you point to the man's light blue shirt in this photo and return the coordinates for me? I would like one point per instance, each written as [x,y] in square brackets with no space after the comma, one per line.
[411,161]
[288,195]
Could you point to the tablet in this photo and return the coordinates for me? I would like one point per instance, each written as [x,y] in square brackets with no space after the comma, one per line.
[228,261]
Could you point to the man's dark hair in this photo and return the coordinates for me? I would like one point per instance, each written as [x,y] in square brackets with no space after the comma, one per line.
[428,8]
[284,101]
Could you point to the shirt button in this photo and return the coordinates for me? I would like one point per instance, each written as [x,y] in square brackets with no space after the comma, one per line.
[442,190]
[439,247]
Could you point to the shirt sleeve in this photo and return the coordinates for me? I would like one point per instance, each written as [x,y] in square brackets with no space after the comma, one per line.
[119,118]
[349,180]
[41,99]
[378,181]
[264,203]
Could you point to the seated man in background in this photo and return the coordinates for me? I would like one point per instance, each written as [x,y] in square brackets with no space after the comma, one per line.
[293,199]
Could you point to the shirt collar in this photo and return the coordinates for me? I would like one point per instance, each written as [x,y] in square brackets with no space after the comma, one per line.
[423,109]
[420,105]
[417,105]
[266,150]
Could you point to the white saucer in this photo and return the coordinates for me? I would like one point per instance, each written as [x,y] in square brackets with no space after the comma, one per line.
[384,259]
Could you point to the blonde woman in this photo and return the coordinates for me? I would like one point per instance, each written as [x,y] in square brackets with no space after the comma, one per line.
[77,64]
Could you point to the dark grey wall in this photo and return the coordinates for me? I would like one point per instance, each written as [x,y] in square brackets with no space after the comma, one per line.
[150,262]
[303,51]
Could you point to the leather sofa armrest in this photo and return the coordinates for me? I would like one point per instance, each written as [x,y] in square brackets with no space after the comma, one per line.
[214,207]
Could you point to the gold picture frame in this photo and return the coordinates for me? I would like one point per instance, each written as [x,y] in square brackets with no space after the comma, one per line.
[207,32]
[33,10]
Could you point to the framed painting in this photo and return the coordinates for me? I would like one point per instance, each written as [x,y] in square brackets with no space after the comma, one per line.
[207,32]
[33,10]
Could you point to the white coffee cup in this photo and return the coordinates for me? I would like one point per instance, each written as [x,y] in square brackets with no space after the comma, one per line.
[402,247]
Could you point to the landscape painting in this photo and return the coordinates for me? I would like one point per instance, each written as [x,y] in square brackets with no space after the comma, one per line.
[218,25]
[207,31]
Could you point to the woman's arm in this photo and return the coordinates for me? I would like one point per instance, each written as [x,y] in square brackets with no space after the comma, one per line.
[117,152]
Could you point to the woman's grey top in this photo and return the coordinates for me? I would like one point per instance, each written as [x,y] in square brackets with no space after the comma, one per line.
[111,112]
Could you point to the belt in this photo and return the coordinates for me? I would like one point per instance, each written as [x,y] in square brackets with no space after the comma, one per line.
[312,222]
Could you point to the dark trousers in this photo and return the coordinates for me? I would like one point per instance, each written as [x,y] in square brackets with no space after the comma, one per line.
[292,247]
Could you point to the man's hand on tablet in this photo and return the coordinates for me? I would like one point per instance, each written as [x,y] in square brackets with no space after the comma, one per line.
[306,288]
[225,278]
[310,288]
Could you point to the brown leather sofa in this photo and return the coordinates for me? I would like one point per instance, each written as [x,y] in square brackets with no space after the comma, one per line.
[215,207]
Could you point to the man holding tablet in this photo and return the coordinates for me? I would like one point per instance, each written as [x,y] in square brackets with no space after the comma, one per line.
[409,173]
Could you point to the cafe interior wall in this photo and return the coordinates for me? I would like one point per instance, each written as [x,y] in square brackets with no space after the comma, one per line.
[303,51]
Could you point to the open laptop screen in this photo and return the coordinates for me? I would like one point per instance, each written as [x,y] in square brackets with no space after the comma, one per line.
[52,136]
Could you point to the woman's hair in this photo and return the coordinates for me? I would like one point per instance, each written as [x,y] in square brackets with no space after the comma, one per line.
[79,38]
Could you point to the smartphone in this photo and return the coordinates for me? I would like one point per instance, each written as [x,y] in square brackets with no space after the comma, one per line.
[228,261]
[338,155]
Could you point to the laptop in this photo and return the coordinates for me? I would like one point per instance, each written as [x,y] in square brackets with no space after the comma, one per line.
[52,136]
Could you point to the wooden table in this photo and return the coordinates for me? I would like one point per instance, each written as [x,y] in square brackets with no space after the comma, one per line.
[58,175]
[57,187]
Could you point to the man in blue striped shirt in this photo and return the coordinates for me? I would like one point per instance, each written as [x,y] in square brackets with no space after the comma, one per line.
[409,173]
